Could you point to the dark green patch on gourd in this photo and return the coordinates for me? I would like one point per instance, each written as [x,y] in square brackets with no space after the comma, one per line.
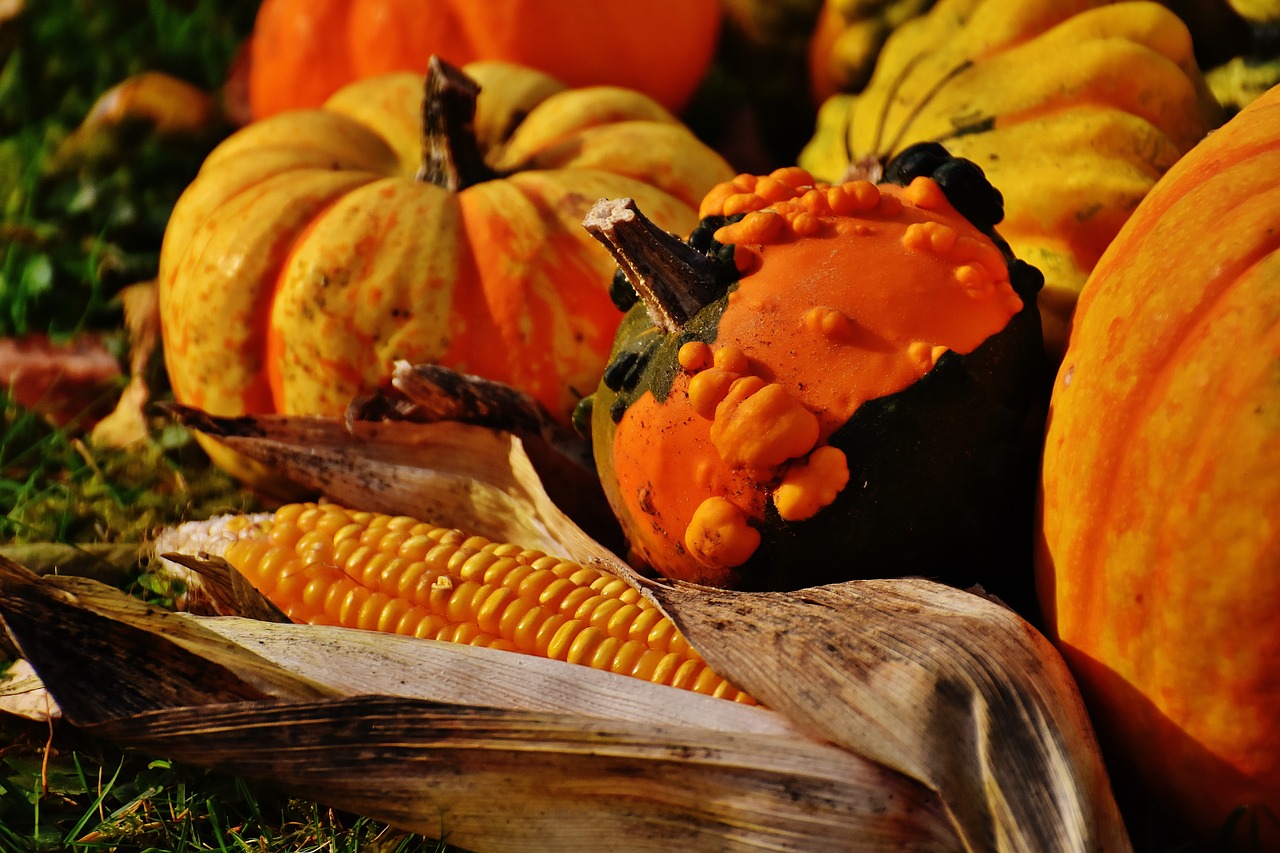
[643,359]
[941,481]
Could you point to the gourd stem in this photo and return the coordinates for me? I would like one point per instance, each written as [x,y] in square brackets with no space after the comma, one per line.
[451,155]
[673,279]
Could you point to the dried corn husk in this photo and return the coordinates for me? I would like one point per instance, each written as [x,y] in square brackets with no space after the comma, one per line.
[903,712]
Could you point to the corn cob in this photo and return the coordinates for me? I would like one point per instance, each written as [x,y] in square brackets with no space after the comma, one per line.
[323,564]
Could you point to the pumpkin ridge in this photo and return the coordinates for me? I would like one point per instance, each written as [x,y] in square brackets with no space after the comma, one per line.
[1158,375]
[272,349]
[919,106]
[1179,181]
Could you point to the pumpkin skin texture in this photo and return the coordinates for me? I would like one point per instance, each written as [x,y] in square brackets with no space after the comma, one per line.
[1158,561]
[306,257]
[844,407]
[302,51]
[1073,109]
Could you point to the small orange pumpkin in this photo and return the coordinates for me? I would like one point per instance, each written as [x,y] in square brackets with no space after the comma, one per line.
[302,51]
[308,255]
[1159,552]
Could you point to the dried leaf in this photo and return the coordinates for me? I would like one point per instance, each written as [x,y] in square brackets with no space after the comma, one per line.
[126,663]
[65,382]
[948,687]
[23,694]
[577,755]
[223,591]
[455,475]
[498,780]
[127,423]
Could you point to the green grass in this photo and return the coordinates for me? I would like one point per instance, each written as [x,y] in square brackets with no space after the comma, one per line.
[78,795]
[74,230]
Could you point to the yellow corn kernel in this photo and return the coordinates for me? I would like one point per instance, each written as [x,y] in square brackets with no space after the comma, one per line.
[320,563]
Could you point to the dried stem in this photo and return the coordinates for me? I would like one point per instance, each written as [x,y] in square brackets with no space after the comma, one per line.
[451,155]
[674,280]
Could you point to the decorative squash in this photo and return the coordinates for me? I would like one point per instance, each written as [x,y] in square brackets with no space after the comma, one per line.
[830,386]
[302,51]
[848,38]
[1159,556]
[307,256]
[1073,109]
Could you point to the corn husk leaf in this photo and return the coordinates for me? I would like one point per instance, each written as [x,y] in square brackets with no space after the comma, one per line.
[456,475]
[943,688]
[492,750]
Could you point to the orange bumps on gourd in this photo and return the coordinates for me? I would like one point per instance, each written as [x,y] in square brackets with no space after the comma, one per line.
[811,485]
[833,324]
[719,534]
[760,425]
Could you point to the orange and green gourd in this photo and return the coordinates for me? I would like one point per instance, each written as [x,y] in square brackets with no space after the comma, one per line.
[317,247]
[825,382]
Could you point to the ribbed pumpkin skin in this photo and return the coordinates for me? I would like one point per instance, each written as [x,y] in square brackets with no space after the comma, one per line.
[1159,556]
[847,39]
[1073,109]
[305,258]
[305,50]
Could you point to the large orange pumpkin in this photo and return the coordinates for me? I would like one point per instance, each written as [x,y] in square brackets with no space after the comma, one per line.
[307,255]
[302,51]
[1159,559]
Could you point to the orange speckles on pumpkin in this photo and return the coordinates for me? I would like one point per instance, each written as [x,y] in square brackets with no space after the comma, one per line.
[924,355]
[771,189]
[760,226]
[743,203]
[760,425]
[694,356]
[853,197]
[925,193]
[832,324]
[810,485]
[708,388]
[805,224]
[793,176]
[815,201]
[733,359]
[975,281]
[719,536]
[930,236]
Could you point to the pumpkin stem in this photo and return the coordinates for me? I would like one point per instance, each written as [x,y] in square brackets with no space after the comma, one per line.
[451,155]
[673,279]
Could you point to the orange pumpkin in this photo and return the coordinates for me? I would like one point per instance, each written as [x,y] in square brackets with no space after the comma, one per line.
[302,51]
[832,387]
[1159,553]
[307,255]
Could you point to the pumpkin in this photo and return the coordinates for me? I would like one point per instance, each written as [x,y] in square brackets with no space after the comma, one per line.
[826,381]
[1158,559]
[308,254]
[1073,109]
[302,51]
